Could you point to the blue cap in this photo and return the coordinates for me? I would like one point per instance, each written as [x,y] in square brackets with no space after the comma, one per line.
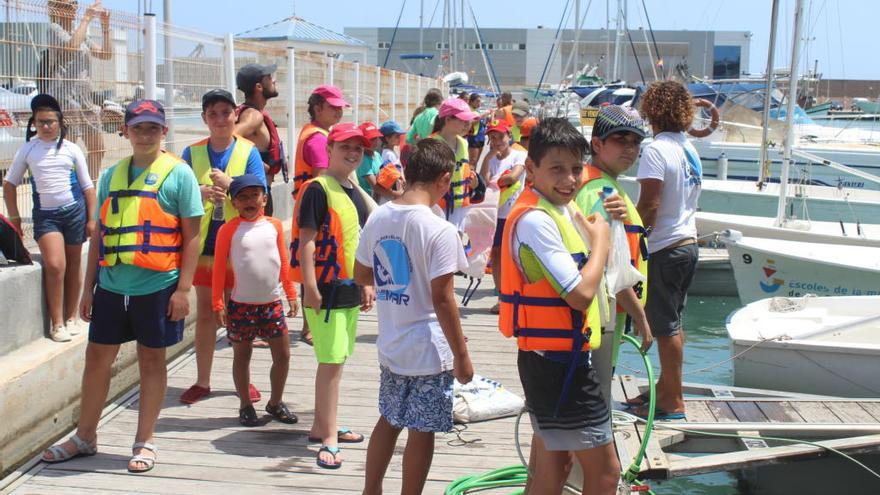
[144,111]
[243,181]
[391,127]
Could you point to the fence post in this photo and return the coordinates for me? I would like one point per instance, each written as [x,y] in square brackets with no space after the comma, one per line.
[378,91]
[229,62]
[150,56]
[291,106]
[419,92]
[357,93]
[394,95]
[169,82]
[332,66]
[408,78]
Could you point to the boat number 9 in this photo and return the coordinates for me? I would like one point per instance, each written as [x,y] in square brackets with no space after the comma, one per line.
[747,259]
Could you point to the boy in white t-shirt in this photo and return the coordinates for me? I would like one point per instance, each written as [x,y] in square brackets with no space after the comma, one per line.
[412,255]
[503,169]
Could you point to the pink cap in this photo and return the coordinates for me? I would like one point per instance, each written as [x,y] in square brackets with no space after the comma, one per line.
[458,108]
[345,131]
[370,130]
[331,95]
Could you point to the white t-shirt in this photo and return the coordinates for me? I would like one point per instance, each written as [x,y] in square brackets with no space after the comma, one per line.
[497,168]
[55,171]
[538,232]
[408,246]
[672,159]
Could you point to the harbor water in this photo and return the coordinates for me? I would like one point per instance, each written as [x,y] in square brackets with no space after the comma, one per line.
[706,343]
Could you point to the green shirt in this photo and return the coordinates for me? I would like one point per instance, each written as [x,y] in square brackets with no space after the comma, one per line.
[423,125]
[370,165]
[180,196]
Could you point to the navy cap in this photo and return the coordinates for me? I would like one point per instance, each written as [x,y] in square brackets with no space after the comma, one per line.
[144,111]
[243,181]
[44,100]
[216,95]
[391,127]
[249,75]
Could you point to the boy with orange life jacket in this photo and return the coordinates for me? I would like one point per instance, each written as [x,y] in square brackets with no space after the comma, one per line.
[252,244]
[550,301]
[216,161]
[325,110]
[327,220]
[614,147]
[253,122]
[147,245]
[411,256]
[391,171]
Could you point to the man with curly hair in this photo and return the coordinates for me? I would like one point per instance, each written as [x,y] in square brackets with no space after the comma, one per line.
[670,176]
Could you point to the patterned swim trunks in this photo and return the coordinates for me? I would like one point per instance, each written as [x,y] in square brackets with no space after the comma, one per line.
[420,403]
[245,322]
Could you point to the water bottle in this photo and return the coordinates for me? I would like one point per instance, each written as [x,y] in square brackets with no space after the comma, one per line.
[218,212]
[607,191]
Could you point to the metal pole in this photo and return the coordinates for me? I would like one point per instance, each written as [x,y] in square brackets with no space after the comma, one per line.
[763,171]
[618,35]
[150,56]
[422,26]
[789,111]
[393,96]
[330,74]
[577,33]
[169,75]
[378,91]
[291,104]
[357,92]
[607,38]
[229,62]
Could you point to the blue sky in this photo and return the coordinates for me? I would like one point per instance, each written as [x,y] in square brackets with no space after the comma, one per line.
[838,30]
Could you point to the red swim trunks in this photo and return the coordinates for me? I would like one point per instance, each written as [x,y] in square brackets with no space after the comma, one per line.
[245,322]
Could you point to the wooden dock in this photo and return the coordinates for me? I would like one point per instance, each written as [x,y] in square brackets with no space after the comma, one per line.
[203,449]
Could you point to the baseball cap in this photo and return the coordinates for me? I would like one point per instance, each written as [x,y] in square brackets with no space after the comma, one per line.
[44,100]
[331,95]
[520,109]
[243,181]
[346,131]
[370,130]
[249,75]
[525,129]
[458,108]
[391,127]
[144,111]
[498,126]
[615,118]
[216,95]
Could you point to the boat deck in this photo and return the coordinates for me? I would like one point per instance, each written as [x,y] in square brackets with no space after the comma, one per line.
[849,425]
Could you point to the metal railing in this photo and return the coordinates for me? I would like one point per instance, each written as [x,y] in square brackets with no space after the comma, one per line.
[124,56]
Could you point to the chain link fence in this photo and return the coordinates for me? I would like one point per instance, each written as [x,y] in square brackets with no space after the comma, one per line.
[96,61]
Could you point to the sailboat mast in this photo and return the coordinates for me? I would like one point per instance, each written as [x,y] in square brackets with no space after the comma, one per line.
[765,112]
[789,111]
[618,35]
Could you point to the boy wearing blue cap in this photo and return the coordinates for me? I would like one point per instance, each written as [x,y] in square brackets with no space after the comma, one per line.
[252,244]
[147,246]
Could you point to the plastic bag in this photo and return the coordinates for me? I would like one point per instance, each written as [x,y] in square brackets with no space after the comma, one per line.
[619,272]
[483,399]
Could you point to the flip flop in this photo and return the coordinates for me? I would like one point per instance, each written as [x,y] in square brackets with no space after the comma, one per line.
[660,414]
[194,394]
[341,438]
[334,451]
[306,337]
[643,398]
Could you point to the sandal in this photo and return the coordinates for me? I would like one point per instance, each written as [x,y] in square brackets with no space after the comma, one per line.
[60,454]
[334,451]
[247,416]
[306,337]
[282,413]
[638,401]
[341,437]
[149,461]
[194,394]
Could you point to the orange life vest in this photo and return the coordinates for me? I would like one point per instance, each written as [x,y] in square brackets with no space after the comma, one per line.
[135,230]
[532,310]
[303,171]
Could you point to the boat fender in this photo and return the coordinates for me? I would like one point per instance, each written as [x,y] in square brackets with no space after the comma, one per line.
[713,124]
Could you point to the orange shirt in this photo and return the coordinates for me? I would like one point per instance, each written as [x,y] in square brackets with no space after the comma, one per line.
[257,253]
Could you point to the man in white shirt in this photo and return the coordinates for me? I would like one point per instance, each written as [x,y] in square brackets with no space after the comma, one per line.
[670,175]
[411,255]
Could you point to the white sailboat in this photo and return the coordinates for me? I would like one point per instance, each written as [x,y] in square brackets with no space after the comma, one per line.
[825,346]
